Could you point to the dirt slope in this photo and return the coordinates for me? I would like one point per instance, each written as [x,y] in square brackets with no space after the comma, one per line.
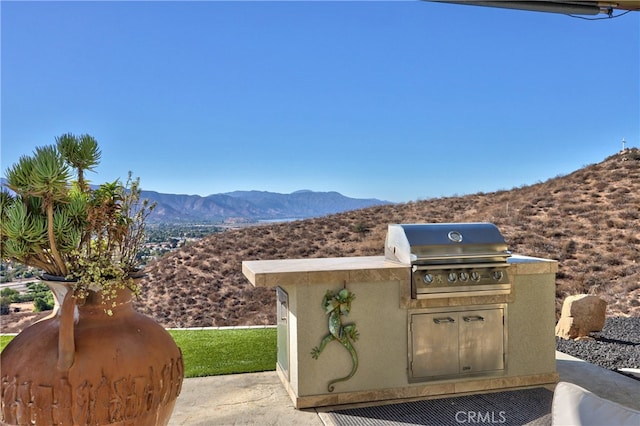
[589,221]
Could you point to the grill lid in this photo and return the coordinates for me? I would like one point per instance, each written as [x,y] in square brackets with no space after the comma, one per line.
[442,243]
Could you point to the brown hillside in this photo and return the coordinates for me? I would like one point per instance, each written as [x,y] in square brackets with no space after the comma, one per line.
[588,220]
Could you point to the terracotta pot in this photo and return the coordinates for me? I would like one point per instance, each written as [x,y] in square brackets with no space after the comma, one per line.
[80,366]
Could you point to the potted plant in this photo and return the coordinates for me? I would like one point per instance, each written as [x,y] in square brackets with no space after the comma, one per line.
[67,229]
[94,349]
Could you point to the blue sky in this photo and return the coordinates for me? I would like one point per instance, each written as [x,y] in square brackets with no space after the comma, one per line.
[398,100]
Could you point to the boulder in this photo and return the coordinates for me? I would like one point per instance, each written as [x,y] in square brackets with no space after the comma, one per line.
[581,315]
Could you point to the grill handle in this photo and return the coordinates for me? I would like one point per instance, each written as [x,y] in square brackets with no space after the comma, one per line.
[460,256]
[473,318]
[443,320]
[424,267]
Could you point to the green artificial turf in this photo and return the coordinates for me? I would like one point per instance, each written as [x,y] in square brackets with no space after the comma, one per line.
[216,352]
[4,341]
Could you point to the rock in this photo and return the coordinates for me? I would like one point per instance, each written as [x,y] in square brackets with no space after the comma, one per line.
[584,338]
[581,314]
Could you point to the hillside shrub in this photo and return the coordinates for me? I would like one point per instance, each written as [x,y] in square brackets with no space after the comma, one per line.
[43,303]
[633,155]
[10,294]
[4,305]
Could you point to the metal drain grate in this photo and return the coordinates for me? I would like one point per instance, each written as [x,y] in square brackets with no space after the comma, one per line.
[530,407]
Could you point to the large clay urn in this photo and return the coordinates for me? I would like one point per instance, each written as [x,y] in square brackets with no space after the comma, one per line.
[81,366]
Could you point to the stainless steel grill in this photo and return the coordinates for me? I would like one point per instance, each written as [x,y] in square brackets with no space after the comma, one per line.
[448,259]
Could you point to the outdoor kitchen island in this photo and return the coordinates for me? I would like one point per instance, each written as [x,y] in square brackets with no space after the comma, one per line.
[389,346]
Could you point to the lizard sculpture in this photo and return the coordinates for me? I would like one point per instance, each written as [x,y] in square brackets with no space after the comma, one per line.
[337,305]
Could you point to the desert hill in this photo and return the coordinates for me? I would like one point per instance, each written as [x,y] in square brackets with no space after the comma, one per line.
[588,220]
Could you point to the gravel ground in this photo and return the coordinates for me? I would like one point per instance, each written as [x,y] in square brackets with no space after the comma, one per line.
[616,346]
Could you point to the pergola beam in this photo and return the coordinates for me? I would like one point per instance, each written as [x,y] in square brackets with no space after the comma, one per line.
[565,7]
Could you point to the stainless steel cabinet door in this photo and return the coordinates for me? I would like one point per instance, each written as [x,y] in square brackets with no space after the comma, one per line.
[481,338]
[282,324]
[456,342]
[435,344]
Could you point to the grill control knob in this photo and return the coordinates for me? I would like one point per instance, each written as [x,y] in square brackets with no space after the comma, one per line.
[452,277]
[463,276]
[428,278]
[497,275]
[475,276]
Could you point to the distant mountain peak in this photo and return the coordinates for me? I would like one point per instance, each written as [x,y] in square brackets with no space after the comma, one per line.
[252,205]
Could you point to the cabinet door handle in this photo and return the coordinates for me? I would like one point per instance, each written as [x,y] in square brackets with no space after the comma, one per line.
[443,320]
[473,318]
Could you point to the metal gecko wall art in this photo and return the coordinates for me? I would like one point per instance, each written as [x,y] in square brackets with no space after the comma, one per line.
[336,306]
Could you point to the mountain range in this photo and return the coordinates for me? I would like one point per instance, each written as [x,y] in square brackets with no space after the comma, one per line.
[251,206]
[247,206]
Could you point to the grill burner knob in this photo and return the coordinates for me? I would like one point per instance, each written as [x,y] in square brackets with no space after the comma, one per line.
[475,276]
[452,277]
[428,278]
[463,276]
[497,275]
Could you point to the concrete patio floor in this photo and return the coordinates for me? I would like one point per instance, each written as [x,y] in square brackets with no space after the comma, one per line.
[260,398]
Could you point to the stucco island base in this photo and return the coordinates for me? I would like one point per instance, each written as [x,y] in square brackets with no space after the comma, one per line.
[381,311]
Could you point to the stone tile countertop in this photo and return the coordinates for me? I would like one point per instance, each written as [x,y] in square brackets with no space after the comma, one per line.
[269,273]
